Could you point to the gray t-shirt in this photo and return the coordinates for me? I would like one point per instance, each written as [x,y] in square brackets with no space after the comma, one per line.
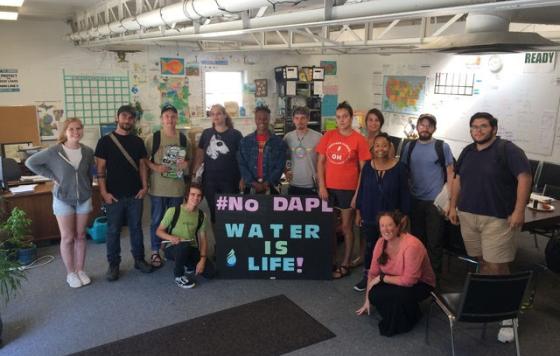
[301,152]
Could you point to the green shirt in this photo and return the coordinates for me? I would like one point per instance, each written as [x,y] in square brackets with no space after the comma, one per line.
[186,224]
[160,185]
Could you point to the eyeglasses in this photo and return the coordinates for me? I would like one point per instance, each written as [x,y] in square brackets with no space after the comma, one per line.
[480,127]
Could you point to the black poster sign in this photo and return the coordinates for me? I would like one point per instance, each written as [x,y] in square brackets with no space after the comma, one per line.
[273,236]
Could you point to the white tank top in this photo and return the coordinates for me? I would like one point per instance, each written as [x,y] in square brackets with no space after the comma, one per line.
[74,155]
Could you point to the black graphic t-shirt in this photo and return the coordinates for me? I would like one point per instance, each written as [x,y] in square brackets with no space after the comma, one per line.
[220,150]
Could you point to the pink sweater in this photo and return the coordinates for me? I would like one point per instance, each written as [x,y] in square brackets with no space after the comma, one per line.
[411,263]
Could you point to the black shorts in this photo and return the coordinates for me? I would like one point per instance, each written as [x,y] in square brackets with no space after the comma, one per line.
[340,198]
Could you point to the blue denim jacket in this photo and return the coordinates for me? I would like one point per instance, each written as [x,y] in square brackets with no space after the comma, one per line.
[274,158]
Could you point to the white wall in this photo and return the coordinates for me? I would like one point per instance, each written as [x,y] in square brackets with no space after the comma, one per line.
[40,53]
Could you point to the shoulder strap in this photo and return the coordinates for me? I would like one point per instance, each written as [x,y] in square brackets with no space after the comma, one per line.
[123,151]
[411,146]
[502,156]
[156,142]
[176,213]
[182,140]
[441,158]
[199,225]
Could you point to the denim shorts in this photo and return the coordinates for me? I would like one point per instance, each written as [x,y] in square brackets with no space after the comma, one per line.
[62,208]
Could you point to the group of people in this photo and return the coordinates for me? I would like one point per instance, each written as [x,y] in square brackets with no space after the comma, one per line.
[390,199]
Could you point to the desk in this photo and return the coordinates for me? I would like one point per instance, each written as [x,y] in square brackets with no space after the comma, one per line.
[38,206]
[539,219]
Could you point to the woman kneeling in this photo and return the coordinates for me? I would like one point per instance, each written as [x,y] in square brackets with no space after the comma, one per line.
[400,276]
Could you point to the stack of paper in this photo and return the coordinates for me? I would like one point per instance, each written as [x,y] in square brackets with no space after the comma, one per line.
[23,189]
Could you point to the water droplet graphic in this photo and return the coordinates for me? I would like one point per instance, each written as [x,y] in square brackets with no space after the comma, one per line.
[231,259]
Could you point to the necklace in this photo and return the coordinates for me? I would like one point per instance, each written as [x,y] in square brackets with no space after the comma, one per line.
[300,150]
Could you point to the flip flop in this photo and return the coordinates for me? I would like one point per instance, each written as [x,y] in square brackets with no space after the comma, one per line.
[341,272]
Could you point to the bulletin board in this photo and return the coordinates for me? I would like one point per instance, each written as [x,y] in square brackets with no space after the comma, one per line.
[95,98]
[19,125]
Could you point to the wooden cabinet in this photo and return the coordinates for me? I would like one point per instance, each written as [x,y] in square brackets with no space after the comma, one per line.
[38,206]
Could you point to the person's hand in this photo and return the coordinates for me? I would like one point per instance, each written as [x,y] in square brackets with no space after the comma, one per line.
[323,193]
[289,175]
[161,168]
[358,218]
[141,193]
[200,266]
[108,198]
[364,309]
[516,219]
[353,202]
[175,240]
[260,187]
[182,164]
[452,216]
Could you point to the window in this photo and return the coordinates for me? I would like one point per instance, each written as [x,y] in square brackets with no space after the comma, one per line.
[220,87]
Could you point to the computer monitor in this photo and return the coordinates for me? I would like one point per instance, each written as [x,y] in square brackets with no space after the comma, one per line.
[9,171]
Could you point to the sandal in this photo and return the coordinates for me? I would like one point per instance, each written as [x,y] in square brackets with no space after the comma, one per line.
[156,260]
[341,272]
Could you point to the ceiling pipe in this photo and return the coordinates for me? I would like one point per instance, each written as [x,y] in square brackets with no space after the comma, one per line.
[192,10]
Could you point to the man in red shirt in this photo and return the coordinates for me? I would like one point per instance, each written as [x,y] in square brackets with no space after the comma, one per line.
[342,153]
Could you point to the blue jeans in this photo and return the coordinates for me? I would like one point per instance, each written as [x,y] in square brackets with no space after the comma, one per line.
[130,208]
[159,207]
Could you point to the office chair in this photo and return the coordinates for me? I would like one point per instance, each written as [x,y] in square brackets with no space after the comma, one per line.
[485,298]
[552,191]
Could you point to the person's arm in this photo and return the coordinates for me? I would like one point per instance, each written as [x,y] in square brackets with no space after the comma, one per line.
[361,165]
[198,159]
[278,157]
[101,165]
[455,190]
[321,161]
[38,163]
[143,178]
[244,169]
[161,232]
[366,306]
[203,248]
[517,217]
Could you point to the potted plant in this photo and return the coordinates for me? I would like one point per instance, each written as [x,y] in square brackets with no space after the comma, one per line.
[11,276]
[19,244]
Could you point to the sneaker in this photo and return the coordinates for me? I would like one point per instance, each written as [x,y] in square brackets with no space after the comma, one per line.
[84,278]
[73,280]
[361,285]
[184,282]
[113,273]
[143,266]
[506,334]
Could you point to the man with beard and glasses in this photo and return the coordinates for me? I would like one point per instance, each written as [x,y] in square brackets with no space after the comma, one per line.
[122,174]
[430,164]
[491,188]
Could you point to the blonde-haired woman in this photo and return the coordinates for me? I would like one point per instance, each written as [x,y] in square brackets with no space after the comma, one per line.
[217,149]
[69,164]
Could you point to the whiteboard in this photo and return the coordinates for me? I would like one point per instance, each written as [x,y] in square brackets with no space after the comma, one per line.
[525,104]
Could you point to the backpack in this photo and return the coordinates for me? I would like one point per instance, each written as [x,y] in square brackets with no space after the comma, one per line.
[439,152]
[157,142]
[552,255]
[176,212]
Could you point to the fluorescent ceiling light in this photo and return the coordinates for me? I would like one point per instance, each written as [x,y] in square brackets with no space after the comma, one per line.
[5,15]
[17,3]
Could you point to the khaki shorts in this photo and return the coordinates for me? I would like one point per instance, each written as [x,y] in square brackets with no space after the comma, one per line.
[489,237]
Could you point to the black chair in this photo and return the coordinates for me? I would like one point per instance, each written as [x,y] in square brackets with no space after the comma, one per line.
[536,167]
[485,299]
[549,175]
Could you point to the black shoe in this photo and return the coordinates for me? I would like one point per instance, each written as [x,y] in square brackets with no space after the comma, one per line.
[143,266]
[361,285]
[113,273]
